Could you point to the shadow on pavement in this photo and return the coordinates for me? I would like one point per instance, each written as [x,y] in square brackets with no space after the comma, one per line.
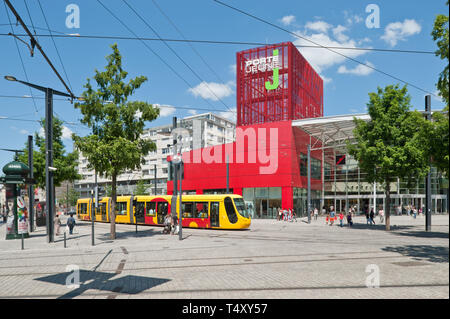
[101,281]
[132,234]
[435,254]
[423,234]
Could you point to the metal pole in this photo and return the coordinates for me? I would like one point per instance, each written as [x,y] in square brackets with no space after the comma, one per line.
[156,185]
[49,162]
[180,232]
[174,166]
[92,216]
[30,187]
[228,175]
[428,177]
[309,184]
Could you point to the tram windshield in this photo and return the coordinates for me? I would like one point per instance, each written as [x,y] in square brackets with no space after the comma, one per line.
[241,208]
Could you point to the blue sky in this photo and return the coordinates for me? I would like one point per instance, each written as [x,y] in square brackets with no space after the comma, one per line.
[403,25]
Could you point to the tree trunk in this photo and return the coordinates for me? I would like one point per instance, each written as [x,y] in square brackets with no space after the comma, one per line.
[112,212]
[387,210]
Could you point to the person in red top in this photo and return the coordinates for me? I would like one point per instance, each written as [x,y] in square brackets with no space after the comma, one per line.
[341,219]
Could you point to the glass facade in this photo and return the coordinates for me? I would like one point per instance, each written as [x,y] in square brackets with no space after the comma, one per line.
[345,186]
[262,202]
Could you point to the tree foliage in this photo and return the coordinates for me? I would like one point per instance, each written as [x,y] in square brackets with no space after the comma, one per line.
[115,144]
[389,145]
[437,132]
[141,188]
[65,163]
[440,34]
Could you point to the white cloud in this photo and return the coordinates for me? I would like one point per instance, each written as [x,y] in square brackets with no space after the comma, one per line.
[165,110]
[287,20]
[320,26]
[321,58]
[66,133]
[25,132]
[229,115]
[212,91]
[358,70]
[42,132]
[325,79]
[399,31]
[192,112]
[232,68]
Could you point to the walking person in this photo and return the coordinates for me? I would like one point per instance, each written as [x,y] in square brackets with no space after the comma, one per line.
[294,216]
[414,211]
[316,213]
[349,219]
[57,223]
[71,223]
[371,217]
[341,219]
[381,214]
[332,216]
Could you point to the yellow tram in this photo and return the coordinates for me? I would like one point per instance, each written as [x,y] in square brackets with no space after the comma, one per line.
[199,211]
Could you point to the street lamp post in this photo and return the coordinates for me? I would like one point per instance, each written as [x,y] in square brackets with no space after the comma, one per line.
[49,185]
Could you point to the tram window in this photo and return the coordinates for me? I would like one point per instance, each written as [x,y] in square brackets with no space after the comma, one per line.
[102,208]
[229,208]
[82,208]
[187,209]
[163,208]
[140,209]
[150,209]
[201,210]
[240,206]
[121,208]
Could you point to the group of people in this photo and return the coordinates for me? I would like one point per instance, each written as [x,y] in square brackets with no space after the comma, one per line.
[70,224]
[170,225]
[287,215]
[331,217]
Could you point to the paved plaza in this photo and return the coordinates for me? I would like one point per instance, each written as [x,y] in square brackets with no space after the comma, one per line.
[273,260]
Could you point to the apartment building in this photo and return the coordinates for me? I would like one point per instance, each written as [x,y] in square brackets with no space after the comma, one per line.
[202,130]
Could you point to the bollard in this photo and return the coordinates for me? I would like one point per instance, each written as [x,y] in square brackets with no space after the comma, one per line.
[65,239]
[22,242]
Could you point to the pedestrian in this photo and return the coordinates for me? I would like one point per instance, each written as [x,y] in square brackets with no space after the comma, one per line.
[349,219]
[294,216]
[332,216]
[71,223]
[341,219]
[57,223]
[371,217]
[327,218]
[381,214]
[316,213]
[414,211]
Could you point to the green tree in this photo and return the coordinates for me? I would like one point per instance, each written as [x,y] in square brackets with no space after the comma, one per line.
[440,34]
[141,188]
[64,163]
[437,131]
[389,145]
[115,144]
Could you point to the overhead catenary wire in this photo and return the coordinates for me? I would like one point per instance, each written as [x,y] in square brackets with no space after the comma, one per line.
[54,43]
[21,60]
[151,50]
[177,55]
[317,44]
[112,37]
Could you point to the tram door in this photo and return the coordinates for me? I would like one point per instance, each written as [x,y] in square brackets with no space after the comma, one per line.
[139,212]
[162,209]
[214,213]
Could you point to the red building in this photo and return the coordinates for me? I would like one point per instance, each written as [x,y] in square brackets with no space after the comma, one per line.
[267,162]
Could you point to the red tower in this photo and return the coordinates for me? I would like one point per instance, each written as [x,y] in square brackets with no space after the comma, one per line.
[262,98]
